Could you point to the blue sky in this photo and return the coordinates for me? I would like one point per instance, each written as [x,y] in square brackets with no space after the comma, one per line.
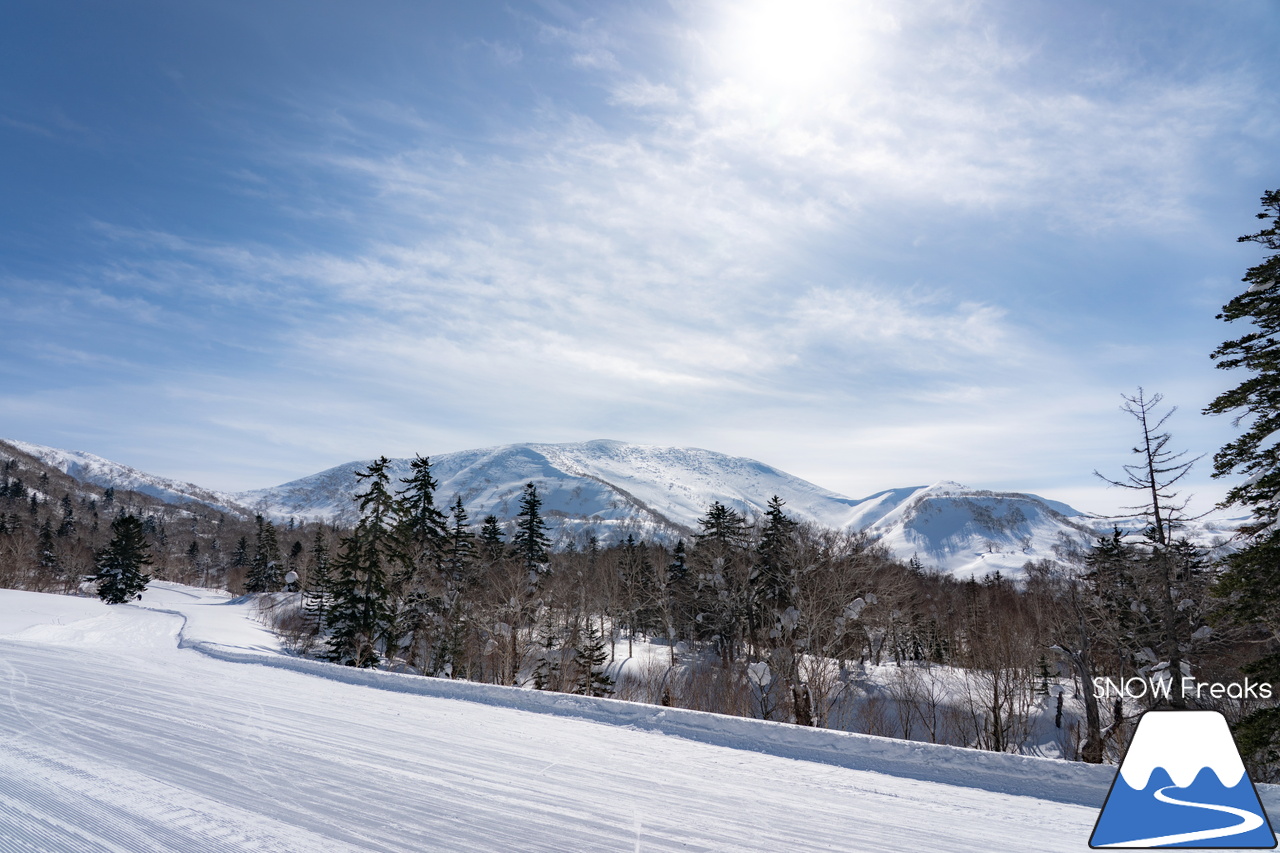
[874,244]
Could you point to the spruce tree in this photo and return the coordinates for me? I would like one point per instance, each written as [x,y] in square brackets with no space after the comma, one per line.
[418,594]
[722,592]
[530,544]
[48,565]
[773,579]
[1249,589]
[68,525]
[119,566]
[360,612]
[423,527]
[461,549]
[1255,402]
[240,557]
[318,596]
[589,660]
[266,573]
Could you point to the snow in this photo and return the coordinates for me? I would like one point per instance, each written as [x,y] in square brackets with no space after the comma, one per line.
[88,468]
[178,725]
[612,489]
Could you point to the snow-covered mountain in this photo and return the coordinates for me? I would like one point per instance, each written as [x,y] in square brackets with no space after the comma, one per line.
[610,489]
[88,468]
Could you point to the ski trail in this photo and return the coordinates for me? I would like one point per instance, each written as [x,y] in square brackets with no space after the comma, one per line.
[1249,821]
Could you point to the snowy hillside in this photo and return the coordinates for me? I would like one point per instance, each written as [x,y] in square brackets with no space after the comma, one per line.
[600,486]
[88,468]
[970,533]
[135,729]
[611,489]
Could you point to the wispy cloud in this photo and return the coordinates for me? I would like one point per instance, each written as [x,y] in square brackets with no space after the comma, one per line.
[683,244]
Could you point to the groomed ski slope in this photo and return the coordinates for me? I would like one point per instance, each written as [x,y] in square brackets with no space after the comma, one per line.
[133,729]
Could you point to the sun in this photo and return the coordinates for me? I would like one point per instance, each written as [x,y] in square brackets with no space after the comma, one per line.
[794,47]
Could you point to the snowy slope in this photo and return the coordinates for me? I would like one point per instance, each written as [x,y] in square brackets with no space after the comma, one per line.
[611,488]
[603,486]
[115,738]
[89,468]
[970,532]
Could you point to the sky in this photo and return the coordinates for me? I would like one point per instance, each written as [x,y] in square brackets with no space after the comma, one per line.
[874,244]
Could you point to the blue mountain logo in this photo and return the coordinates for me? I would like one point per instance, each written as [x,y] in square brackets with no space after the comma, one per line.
[1182,784]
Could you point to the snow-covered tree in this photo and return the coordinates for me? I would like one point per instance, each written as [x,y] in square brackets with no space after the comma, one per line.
[119,566]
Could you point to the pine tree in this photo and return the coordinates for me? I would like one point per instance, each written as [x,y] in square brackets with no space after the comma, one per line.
[418,598]
[1249,589]
[530,544]
[492,548]
[423,527]
[318,596]
[722,591]
[119,566]
[68,525]
[360,612]
[773,579]
[266,574]
[677,597]
[48,565]
[589,660]
[461,549]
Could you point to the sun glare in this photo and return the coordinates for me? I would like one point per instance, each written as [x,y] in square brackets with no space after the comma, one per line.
[794,47]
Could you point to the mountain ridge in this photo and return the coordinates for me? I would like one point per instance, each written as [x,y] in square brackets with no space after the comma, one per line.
[611,489]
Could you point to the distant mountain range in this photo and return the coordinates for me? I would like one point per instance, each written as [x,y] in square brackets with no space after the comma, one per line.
[611,489]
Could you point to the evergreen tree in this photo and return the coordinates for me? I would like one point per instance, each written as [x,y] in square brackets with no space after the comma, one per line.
[589,661]
[240,557]
[722,592]
[492,544]
[318,595]
[423,527]
[359,613]
[295,556]
[266,574]
[677,597]
[530,544]
[461,548]
[1255,402]
[1249,589]
[68,525]
[48,565]
[418,598]
[119,566]
[773,577]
